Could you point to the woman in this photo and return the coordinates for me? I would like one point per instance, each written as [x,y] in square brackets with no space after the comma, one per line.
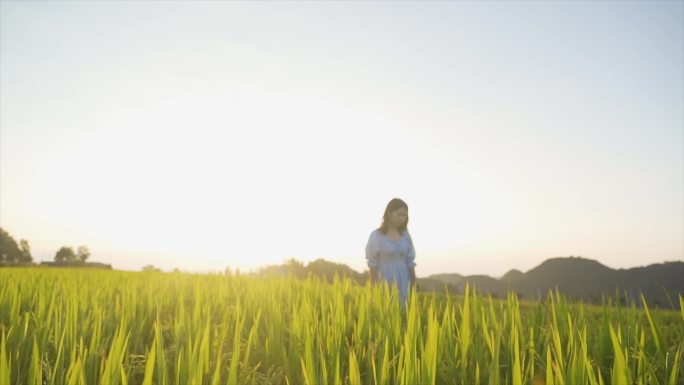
[390,251]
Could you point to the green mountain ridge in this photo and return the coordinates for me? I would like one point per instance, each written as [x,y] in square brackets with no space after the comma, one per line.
[588,280]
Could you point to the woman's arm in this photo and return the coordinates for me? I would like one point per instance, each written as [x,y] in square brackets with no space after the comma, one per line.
[372,249]
[411,261]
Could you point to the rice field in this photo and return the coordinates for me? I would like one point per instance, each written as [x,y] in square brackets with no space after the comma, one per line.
[112,327]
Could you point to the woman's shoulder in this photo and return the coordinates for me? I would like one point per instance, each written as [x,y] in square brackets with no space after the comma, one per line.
[376,234]
[406,235]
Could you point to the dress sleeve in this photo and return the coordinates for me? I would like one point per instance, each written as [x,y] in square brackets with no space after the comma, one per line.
[411,256]
[372,249]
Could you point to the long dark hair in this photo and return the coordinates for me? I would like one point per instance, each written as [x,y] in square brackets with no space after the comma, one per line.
[392,206]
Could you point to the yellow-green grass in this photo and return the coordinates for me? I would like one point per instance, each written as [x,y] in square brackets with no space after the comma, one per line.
[111,327]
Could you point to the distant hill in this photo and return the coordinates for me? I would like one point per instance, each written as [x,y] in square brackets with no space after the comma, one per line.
[577,277]
[433,284]
[484,284]
[588,280]
[451,278]
[511,275]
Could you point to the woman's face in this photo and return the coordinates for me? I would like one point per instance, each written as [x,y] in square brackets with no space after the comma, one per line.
[398,217]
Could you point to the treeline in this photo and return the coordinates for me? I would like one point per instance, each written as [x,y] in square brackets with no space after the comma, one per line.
[19,254]
[11,252]
[319,268]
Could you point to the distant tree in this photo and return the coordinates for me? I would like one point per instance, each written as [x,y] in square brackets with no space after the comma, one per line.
[83,253]
[150,268]
[65,254]
[9,251]
[296,268]
[25,251]
[328,270]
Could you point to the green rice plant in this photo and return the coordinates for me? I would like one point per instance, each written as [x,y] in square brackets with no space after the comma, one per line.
[672,379]
[429,350]
[158,343]
[5,373]
[35,370]
[494,373]
[517,373]
[108,327]
[621,373]
[586,361]
[464,337]
[149,366]
[235,356]
[76,375]
[549,369]
[654,330]
[354,375]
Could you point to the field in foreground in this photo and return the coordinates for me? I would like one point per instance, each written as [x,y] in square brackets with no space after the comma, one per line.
[110,327]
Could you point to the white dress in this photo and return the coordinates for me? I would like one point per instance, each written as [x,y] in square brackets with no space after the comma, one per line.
[392,258]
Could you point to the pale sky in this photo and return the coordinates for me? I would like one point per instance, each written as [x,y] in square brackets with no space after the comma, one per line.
[205,135]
